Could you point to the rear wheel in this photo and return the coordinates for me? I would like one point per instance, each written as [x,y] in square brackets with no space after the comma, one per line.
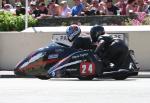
[85,78]
[120,77]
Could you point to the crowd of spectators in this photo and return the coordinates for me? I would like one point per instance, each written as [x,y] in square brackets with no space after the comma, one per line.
[39,9]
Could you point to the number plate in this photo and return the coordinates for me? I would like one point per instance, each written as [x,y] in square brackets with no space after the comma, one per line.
[87,69]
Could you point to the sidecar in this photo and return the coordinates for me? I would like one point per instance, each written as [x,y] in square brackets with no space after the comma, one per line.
[60,61]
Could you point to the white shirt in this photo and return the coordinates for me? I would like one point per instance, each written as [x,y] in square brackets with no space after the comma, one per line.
[64,12]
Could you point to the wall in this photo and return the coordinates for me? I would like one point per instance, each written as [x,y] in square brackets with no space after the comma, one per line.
[15,46]
[139,41]
[88,20]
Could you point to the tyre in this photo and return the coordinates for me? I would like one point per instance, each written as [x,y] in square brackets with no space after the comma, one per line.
[85,78]
[43,77]
[120,77]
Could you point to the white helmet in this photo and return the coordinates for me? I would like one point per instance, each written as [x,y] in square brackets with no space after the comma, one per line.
[72,32]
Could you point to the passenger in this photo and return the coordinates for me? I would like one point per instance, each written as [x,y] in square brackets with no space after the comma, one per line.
[113,52]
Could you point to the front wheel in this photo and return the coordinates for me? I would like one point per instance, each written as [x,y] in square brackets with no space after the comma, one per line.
[43,77]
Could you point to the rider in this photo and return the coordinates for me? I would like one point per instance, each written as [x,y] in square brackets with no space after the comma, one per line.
[79,41]
[111,51]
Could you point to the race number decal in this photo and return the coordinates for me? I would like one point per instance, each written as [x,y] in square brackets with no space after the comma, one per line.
[87,68]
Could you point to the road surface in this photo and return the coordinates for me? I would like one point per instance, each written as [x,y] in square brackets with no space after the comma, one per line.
[32,90]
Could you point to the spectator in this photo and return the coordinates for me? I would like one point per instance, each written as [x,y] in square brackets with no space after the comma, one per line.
[78,9]
[131,7]
[53,8]
[16,1]
[121,4]
[3,3]
[42,11]
[37,1]
[148,9]
[85,4]
[94,8]
[8,7]
[34,11]
[102,8]
[142,7]
[20,10]
[112,10]
[89,1]
[34,1]
[20,1]
[65,10]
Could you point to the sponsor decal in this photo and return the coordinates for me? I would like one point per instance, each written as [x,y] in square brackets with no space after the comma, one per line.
[59,50]
[80,55]
[52,56]
[63,38]
[59,37]
[53,69]
[118,35]
[71,70]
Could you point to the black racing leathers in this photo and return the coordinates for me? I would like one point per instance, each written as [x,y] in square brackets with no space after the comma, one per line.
[82,42]
[111,50]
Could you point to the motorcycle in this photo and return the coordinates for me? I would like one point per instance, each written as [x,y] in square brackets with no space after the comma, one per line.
[58,60]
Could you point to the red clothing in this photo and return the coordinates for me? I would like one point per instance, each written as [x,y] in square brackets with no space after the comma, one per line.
[122,7]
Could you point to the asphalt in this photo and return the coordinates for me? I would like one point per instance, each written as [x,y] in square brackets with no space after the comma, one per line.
[10,74]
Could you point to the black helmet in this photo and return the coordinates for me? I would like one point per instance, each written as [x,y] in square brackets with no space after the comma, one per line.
[96,31]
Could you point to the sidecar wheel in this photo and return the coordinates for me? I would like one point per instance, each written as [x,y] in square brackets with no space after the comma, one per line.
[43,77]
[118,77]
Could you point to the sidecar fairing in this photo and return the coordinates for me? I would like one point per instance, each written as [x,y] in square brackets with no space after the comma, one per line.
[38,62]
